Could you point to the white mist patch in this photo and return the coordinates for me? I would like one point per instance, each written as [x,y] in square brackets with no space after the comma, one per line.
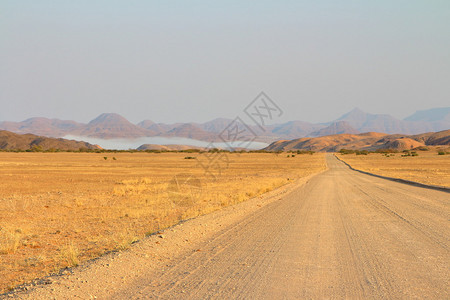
[127,144]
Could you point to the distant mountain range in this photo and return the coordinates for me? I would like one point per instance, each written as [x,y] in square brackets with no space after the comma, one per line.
[330,143]
[111,125]
[363,141]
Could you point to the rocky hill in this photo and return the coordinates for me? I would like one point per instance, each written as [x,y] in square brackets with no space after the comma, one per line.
[41,126]
[14,141]
[364,141]
[191,131]
[110,125]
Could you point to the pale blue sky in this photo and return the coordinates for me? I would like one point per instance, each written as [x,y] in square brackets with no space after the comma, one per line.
[183,61]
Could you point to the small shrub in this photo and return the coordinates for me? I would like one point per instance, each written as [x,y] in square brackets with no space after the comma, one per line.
[35,148]
[346,151]
[406,153]
[105,157]
[191,151]
[422,148]
[190,157]
[386,150]
[305,152]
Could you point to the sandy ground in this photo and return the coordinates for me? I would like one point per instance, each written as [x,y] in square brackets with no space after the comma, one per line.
[427,168]
[341,234]
[62,209]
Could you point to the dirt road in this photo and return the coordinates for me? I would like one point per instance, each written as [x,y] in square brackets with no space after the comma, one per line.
[341,235]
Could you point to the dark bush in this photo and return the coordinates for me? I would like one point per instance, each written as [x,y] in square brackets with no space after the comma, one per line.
[305,152]
[386,150]
[346,151]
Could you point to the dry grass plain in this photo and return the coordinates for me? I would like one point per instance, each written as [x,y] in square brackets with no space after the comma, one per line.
[59,209]
[428,167]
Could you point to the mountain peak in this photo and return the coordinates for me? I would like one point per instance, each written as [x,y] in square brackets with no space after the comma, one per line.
[109,118]
[111,125]
[353,113]
[338,127]
[357,109]
[146,124]
[430,115]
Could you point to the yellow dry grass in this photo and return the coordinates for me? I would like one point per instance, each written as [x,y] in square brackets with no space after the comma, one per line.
[60,209]
[427,168]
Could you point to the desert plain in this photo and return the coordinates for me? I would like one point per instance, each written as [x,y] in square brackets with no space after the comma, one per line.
[428,167]
[61,210]
[58,210]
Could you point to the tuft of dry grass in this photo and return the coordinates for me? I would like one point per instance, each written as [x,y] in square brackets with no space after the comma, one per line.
[428,167]
[72,207]
[124,240]
[70,253]
[9,241]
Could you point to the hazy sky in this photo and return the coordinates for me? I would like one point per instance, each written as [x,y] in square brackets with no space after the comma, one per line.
[183,61]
